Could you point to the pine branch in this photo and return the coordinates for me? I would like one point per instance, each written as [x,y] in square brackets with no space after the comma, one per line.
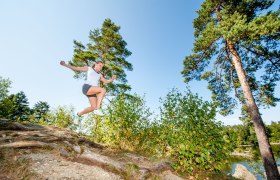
[263,55]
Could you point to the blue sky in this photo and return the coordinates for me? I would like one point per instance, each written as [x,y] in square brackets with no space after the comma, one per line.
[36,35]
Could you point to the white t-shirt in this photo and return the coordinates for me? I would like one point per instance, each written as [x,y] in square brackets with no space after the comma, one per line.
[92,77]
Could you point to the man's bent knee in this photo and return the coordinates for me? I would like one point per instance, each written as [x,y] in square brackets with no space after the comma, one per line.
[103,90]
[92,108]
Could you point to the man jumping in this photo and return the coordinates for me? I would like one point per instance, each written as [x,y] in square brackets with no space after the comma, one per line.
[91,88]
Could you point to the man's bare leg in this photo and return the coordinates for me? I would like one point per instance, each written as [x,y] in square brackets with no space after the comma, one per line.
[100,97]
[92,101]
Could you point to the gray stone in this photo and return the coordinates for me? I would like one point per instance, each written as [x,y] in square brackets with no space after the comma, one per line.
[241,172]
[77,149]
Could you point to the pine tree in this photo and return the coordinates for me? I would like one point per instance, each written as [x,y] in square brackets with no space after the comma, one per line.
[239,39]
[40,109]
[21,106]
[106,45]
[15,107]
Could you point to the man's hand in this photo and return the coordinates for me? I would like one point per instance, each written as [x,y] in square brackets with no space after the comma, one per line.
[114,77]
[62,63]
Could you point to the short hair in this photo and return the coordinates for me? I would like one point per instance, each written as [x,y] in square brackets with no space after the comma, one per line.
[98,62]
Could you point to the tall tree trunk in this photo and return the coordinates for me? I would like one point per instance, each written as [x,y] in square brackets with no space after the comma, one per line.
[264,146]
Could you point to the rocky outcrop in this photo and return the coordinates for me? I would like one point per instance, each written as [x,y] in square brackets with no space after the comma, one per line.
[56,153]
[241,172]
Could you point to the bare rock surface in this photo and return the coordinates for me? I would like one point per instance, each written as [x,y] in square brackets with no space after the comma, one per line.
[50,167]
[57,153]
[241,172]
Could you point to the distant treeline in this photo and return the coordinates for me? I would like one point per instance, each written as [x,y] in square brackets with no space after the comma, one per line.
[245,134]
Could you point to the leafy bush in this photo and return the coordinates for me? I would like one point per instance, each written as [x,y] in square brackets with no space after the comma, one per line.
[190,133]
[124,124]
[62,117]
[186,131]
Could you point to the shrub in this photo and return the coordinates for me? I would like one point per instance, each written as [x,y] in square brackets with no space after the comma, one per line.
[61,116]
[190,133]
[124,124]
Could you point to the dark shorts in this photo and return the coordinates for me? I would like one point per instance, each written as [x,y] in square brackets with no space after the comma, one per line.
[85,90]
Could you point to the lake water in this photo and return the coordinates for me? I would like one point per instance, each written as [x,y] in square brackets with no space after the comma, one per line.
[256,166]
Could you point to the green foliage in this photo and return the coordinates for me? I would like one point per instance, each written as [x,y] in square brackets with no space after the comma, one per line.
[125,123]
[61,116]
[5,85]
[106,45]
[21,108]
[274,131]
[15,107]
[190,132]
[186,131]
[6,107]
[255,35]
[242,135]
[245,134]
[40,110]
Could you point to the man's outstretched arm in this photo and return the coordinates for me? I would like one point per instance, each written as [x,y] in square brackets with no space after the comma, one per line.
[74,68]
[106,81]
